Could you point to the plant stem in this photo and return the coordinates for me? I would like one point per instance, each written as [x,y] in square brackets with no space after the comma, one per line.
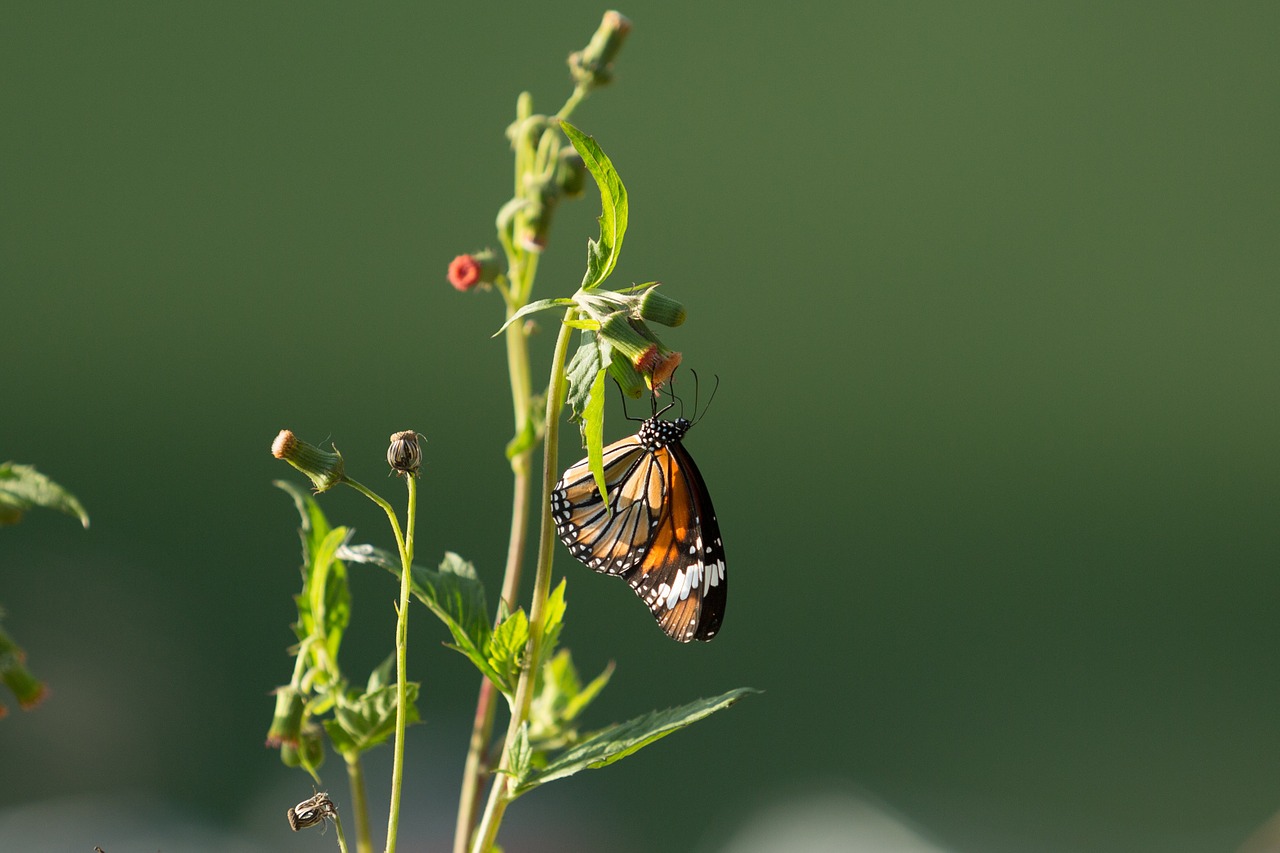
[359,802]
[500,793]
[522,268]
[402,665]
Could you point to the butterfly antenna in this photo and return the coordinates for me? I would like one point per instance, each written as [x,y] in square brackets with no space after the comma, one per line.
[714,389]
[625,413]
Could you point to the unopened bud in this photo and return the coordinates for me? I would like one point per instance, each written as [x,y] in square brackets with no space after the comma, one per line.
[286,724]
[593,65]
[468,271]
[404,455]
[322,467]
[571,173]
[641,347]
[533,222]
[307,753]
[660,308]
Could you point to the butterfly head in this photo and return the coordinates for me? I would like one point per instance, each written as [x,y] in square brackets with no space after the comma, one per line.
[656,433]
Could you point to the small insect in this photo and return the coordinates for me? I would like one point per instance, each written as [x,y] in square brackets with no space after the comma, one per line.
[404,455]
[659,533]
[311,811]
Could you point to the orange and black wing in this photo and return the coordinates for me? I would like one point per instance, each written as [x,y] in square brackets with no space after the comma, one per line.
[681,576]
[613,541]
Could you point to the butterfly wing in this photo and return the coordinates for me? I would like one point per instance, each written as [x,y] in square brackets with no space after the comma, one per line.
[611,542]
[681,576]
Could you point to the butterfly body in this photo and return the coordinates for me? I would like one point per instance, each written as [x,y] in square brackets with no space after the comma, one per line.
[659,531]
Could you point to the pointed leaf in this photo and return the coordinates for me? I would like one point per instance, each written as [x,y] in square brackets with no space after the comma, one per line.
[23,487]
[506,650]
[602,254]
[314,524]
[618,741]
[533,308]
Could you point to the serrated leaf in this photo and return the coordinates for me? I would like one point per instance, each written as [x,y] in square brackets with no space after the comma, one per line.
[533,308]
[618,741]
[22,487]
[506,650]
[383,675]
[453,593]
[552,621]
[593,355]
[362,722]
[559,699]
[602,254]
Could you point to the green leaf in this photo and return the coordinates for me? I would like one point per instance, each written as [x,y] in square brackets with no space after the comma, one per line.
[586,376]
[314,526]
[593,433]
[618,741]
[525,439]
[362,722]
[602,254]
[453,593]
[559,699]
[23,487]
[506,650]
[593,355]
[552,621]
[533,308]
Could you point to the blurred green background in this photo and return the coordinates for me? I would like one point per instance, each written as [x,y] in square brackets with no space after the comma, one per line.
[991,290]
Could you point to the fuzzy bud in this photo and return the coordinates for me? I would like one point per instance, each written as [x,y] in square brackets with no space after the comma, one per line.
[641,347]
[593,65]
[404,455]
[322,467]
[286,724]
[659,308]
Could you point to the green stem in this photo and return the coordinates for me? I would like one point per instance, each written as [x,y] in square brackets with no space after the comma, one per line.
[500,793]
[359,802]
[402,665]
[342,838]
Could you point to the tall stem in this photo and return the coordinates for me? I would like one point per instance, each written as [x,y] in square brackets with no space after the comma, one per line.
[500,793]
[402,664]
[359,802]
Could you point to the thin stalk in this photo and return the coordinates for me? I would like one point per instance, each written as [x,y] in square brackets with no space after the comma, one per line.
[342,838]
[402,666]
[500,792]
[522,269]
[359,802]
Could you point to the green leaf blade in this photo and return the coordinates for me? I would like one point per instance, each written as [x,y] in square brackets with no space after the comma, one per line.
[602,254]
[22,487]
[618,741]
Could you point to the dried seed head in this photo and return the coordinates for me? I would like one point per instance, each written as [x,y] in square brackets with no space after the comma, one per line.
[311,811]
[404,454]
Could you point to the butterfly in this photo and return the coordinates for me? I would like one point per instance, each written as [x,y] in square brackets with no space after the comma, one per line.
[660,532]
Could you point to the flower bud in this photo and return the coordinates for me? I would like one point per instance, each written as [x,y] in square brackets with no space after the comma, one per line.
[660,308]
[307,753]
[630,380]
[404,455]
[533,222]
[468,271]
[322,467]
[286,725]
[641,347]
[593,65]
[571,173]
